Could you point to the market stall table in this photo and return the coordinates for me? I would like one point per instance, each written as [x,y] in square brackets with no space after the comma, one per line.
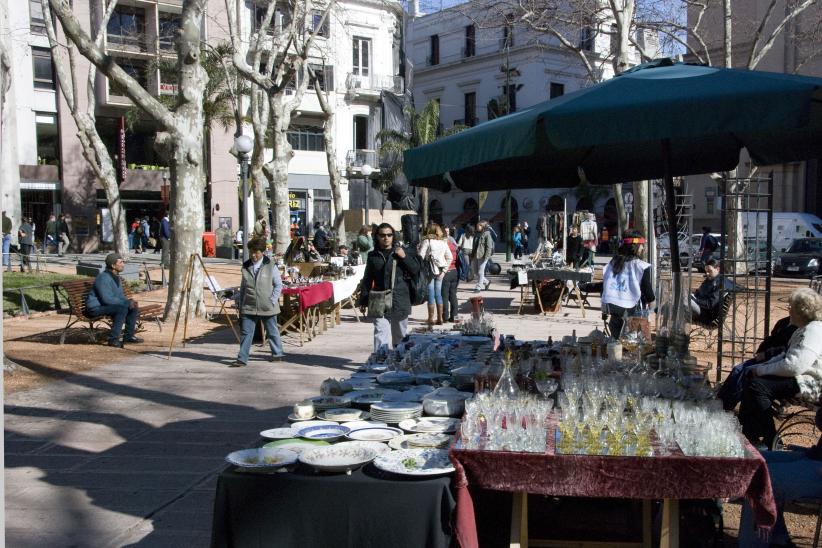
[308,509]
[301,308]
[344,290]
[670,478]
[535,275]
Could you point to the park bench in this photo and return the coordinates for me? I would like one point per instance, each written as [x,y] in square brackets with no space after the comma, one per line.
[77,291]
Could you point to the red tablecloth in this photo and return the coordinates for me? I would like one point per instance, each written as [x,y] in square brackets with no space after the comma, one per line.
[674,477]
[311,295]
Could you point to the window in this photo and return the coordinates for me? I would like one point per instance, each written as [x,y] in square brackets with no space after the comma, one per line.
[133,67]
[434,53]
[470,41]
[709,206]
[43,68]
[169,25]
[362,55]
[322,206]
[278,19]
[316,18]
[361,133]
[470,109]
[306,138]
[557,90]
[38,22]
[325,75]
[47,143]
[127,27]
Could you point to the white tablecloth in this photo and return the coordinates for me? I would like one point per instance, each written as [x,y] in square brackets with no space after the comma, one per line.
[347,286]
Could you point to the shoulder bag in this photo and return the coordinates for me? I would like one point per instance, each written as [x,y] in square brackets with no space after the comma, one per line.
[380,302]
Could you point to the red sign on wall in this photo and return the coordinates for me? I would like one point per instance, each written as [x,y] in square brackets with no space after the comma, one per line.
[121,172]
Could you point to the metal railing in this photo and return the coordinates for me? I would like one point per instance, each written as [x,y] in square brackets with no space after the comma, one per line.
[374,82]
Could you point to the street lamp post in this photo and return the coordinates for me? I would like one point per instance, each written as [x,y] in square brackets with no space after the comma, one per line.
[366,171]
[243,145]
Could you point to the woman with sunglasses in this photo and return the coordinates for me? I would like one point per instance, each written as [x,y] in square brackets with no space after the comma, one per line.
[389,260]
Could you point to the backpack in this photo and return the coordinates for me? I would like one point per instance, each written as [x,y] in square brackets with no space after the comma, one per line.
[418,287]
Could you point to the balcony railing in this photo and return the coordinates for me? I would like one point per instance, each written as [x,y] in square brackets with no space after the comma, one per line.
[127,42]
[374,82]
[355,159]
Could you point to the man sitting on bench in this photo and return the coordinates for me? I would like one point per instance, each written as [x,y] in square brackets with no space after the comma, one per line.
[107,298]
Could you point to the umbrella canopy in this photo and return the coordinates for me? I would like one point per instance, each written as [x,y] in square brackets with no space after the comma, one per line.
[661,118]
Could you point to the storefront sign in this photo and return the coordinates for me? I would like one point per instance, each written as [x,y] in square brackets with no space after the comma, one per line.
[296,200]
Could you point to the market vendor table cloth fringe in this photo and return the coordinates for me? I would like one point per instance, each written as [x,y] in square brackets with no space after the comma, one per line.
[664,477]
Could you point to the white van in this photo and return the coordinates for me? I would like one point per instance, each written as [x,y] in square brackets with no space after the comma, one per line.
[787,226]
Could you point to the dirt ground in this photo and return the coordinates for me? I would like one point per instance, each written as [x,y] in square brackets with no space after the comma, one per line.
[31,344]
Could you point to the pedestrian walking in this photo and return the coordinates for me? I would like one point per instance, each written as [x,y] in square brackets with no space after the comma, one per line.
[484,249]
[526,236]
[436,257]
[385,291]
[364,242]
[465,247]
[50,236]
[259,301]
[7,228]
[517,242]
[165,240]
[63,236]
[450,283]
[26,237]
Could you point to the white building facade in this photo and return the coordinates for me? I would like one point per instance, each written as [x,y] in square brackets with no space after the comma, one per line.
[467,70]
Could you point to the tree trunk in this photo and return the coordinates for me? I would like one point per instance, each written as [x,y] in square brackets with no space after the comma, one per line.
[334,177]
[641,189]
[277,170]
[622,218]
[259,180]
[9,170]
[424,204]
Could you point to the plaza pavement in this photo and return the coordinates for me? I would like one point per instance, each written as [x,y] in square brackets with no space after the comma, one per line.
[128,454]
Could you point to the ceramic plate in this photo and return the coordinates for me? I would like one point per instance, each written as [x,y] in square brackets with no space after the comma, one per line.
[264,457]
[430,425]
[294,418]
[278,433]
[395,377]
[344,414]
[324,432]
[383,433]
[373,396]
[418,441]
[398,406]
[377,446]
[306,424]
[322,403]
[415,462]
[296,445]
[357,425]
[336,458]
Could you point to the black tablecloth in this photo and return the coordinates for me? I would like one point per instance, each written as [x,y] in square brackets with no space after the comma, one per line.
[305,509]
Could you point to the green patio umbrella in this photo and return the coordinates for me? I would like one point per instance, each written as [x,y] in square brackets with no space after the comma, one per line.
[658,120]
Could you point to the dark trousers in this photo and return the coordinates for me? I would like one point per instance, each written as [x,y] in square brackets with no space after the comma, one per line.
[25,256]
[616,319]
[120,314]
[756,414]
[449,294]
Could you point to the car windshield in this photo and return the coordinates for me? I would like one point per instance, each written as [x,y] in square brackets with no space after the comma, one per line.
[806,246]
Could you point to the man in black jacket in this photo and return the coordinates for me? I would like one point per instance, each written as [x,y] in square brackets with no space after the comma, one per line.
[391,328]
[706,301]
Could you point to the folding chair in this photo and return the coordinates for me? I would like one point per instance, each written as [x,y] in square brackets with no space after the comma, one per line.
[221,295]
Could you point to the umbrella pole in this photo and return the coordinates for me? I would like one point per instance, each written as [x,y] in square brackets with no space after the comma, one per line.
[673,234]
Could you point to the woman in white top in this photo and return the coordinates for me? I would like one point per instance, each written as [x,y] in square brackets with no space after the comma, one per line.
[466,245]
[435,259]
[626,283]
[795,373]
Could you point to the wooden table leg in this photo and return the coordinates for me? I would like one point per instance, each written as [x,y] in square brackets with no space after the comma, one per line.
[669,535]
[521,299]
[646,523]
[539,298]
[519,521]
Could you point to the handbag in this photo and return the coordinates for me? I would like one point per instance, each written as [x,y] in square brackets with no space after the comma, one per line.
[380,302]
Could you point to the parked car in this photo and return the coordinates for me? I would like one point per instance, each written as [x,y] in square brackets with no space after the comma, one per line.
[802,259]
[686,248]
[757,252]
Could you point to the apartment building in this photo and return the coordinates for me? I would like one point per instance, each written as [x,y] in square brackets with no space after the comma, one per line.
[357,55]
[797,185]
[477,72]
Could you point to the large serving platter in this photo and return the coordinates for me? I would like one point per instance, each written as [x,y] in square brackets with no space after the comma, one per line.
[323,432]
[415,462]
[344,414]
[279,433]
[336,458]
[377,446]
[383,433]
[357,425]
[420,441]
[430,425]
[262,458]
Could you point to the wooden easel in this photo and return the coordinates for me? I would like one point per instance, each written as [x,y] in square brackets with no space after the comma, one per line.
[186,291]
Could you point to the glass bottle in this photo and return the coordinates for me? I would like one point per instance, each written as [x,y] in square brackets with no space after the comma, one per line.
[506,387]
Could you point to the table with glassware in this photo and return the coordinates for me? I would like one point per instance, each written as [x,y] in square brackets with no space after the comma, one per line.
[530,277]
[301,308]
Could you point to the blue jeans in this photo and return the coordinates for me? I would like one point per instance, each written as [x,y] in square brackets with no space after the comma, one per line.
[120,314]
[482,281]
[435,291]
[272,331]
[6,249]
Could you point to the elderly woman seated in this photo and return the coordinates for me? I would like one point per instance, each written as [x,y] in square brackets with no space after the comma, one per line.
[795,373]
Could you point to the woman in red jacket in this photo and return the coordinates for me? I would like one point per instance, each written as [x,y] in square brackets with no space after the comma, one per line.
[449,284]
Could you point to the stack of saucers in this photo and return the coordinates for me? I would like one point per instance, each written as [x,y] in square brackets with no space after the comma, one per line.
[395,412]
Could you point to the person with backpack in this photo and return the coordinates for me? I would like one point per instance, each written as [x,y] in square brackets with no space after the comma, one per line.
[387,289]
[707,245]
[484,248]
[436,257]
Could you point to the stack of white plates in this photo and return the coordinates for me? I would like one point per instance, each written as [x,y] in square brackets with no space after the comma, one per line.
[395,412]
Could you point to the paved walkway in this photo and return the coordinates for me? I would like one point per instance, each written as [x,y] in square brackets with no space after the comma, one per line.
[128,454]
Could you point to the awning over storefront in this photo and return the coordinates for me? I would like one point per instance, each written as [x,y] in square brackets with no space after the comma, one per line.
[39,185]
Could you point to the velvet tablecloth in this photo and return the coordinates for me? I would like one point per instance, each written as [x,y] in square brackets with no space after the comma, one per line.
[312,294]
[672,477]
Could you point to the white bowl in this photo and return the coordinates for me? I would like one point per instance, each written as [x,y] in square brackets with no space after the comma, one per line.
[337,458]
[263,457]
